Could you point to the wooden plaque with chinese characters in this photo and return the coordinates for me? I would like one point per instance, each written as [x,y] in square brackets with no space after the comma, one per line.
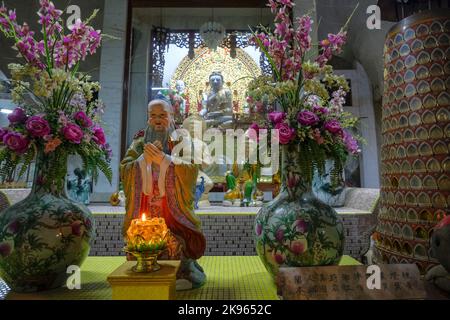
[397,281]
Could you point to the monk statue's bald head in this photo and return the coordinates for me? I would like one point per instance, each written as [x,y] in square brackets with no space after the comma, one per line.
[159,115]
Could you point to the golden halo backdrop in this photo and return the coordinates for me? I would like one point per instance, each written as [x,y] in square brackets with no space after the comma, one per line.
[237,73]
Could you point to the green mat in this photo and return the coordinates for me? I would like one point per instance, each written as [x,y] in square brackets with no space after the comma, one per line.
[229,277]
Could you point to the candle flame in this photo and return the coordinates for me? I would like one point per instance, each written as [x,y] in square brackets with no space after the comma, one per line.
[144,217]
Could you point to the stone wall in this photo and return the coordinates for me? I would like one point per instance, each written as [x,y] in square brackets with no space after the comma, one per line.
[229,235]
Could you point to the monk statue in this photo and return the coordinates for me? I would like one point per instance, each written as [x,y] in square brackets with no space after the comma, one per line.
[219,103]
[149,175]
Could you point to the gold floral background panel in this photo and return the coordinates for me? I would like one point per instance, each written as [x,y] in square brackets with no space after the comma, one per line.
[237,72]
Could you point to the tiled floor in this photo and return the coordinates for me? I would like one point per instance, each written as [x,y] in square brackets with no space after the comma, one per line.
[228,278]
[240,278]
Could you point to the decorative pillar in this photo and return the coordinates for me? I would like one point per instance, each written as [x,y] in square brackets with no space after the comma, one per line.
[112,81]
[415,171]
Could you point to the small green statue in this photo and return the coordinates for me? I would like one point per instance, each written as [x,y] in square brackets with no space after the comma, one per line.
[233,194]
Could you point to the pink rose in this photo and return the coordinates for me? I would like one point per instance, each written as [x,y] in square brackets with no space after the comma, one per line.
[307,118]
[16,141]
[277,117]
[37,126]
[17,116]
[99,136]
[285,133]
[82,119]
[73,133]
[333,126]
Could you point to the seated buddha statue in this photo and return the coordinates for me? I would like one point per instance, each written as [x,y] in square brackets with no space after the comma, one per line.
[219,103]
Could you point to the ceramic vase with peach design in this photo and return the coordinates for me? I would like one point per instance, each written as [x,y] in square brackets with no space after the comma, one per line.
[41,236]
[296,229]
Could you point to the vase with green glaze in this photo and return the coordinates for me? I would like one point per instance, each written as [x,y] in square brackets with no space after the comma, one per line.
[41,236]
[296,229]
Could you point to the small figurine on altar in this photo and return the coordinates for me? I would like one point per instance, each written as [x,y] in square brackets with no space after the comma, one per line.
[252,195]
[440,250]
[155,185]
[199,189]
[233,195]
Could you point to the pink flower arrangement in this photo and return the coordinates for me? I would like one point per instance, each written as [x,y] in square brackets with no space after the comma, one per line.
[64,117]
[305,97]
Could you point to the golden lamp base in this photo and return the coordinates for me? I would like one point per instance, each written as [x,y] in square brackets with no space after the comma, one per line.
[146,261]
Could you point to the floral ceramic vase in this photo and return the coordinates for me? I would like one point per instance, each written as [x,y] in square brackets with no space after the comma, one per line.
[296,229]
[41,236]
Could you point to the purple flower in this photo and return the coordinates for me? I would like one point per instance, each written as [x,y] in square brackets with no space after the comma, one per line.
[37,126]
[3,131]
[333,126]
[73,133]
[277,117]
[5,249]
[108,151]
[16,142]
[285,133]
[307,118]
[254,133]
[319,110]
[17,116]
[350,143]
[99,136]
[82,119]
